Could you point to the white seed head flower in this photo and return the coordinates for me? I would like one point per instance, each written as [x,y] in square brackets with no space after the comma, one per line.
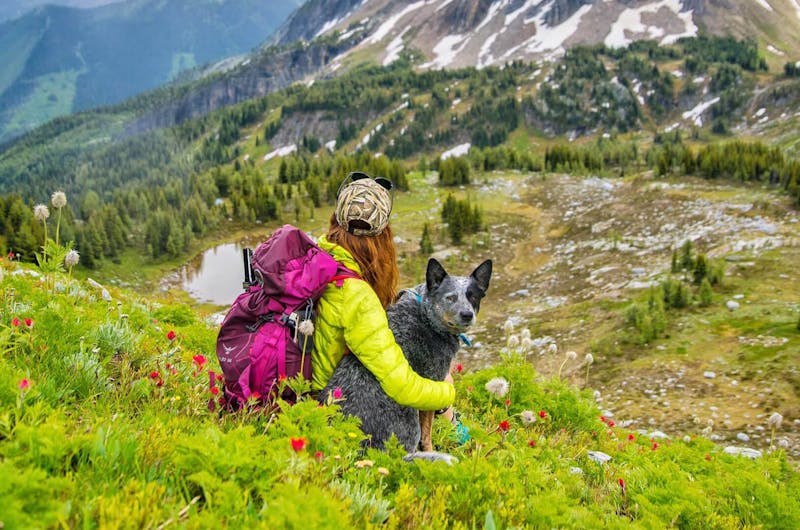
[525,333]
[72,258]
[526,344]
[775,420]
[707,431]
[687,439]
[497,386]
[528,417]
[41,212]
[552,348]
[513,341]
[508,327]
[589,358]
[59,199]
[571,355]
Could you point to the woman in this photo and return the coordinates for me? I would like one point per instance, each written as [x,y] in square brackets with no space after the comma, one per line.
[351,318]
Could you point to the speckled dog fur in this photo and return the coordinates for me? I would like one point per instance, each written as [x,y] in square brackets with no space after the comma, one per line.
[427,330]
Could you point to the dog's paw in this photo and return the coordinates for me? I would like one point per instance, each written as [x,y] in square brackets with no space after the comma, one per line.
[431,456]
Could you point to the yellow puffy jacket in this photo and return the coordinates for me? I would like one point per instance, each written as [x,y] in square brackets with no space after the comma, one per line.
[351,317]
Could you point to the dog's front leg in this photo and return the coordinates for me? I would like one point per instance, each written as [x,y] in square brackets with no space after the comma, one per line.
[426,428]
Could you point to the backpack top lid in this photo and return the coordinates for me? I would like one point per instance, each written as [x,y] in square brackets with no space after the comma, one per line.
[290,266]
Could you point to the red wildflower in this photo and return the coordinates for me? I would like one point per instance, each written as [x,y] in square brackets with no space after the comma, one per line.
[215,391]
[531,443]
[281,377]
[15,322]
[469,389]
[255,396]
[603,419]
[610,423]
[200,361]
[459,368]
[24,384]
[622,485]
[154,374]
[10,255]
[631,437]
[298,444]
[655,446]
[504,426]
[220,377]
[542,414]
[337,393]
[707,457]
[508,402]
[160,382]
[318,455]
[171,335]
[29,322]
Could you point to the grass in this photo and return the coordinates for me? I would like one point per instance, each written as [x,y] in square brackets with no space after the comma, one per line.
[52,96]
[93,440]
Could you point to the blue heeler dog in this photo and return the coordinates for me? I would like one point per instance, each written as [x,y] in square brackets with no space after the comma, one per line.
[427,323]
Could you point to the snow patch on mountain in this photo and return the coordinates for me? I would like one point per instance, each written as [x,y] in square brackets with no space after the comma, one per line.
[446,50]
[459,150]
[390,23]
[630,22]
[765,5]
[394,48]
[552,39]
[696,114]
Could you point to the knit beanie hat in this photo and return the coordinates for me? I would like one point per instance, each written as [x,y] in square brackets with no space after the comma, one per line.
[363,204]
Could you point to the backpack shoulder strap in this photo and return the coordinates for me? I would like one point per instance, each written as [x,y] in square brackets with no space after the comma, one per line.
[343,273]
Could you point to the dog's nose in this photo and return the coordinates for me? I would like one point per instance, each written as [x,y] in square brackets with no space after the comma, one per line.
[466,316]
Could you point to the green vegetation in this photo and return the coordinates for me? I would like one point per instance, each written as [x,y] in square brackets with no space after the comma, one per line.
[109,419]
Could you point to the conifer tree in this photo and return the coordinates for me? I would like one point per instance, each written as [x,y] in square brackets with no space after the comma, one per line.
[425,243]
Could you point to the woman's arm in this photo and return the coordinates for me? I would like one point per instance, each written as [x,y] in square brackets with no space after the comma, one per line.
[367,334]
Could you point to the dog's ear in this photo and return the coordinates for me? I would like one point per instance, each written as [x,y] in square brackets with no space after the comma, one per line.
[435,275]
[482,274]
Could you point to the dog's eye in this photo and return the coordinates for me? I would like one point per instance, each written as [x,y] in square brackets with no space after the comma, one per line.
[451,298]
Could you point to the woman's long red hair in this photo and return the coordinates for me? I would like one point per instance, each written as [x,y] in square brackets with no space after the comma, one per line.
[376,255]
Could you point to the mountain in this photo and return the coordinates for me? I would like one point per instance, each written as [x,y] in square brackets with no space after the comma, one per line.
[10,9]
[461,33]
[56,60]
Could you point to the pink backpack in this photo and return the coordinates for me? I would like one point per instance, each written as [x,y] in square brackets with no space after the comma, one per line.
[267,333]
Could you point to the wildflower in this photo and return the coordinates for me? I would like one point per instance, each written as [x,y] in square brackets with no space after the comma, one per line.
[200,361]
[508,403]
[15,322]
[298,444]
[622,486]
[160,382]
[552,348]
[526,344]
[59,199]
[655,446]
[154,374]
[542,414]
[603,419]
[589,359]
[775,420]
[497,386]
[41,212]
[470,389]
[364,463]
[29,322]
[72,258]
[571,355]
[707,457]
[531,443]
[318,455]
[508,326]
[504,426]
[525,333]
[24,385]
[459,368]
[383,471]
[528,417]
[513,341]
[337,393]
[281,378]
[610,423]
[10,255]
[215,391]
[631,437]
[171,335]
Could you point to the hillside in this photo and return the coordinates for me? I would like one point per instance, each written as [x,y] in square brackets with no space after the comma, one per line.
[56,60]
[108,397]
[11,9]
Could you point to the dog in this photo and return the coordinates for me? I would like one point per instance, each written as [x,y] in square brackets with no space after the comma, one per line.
[427,323]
